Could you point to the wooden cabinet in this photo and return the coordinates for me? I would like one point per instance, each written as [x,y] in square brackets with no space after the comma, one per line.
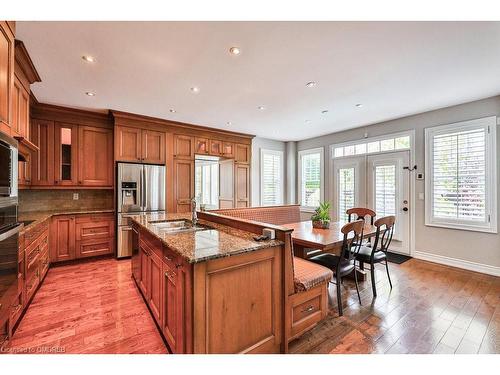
[201,146]
[215,147]
[6,76]
[242,185]
[24,171]
[95,156]
[20,110]
[228,150]
[65,154]
[135,144]
[63,241]
[183,184]
[144,268]
[242,153]
[155,281]
[81,236]
[183,147]
[127,144]
[42,166]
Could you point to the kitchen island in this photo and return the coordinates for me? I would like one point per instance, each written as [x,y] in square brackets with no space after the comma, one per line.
[211,288]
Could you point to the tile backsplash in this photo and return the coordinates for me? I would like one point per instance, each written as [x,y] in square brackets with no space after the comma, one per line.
[48,200]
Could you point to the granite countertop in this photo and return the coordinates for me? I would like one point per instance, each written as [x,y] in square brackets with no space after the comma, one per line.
[199,246]
[39,217]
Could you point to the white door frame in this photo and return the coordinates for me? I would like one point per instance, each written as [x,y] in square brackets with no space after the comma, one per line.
[410,133]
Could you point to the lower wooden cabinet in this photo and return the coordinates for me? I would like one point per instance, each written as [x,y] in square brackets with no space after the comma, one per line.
[81,236]
[155,285]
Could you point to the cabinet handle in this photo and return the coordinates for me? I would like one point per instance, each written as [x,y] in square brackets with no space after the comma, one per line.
[167,258]
[308,309]
[56,182]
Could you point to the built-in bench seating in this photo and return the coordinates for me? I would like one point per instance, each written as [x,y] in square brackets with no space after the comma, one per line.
[307,290]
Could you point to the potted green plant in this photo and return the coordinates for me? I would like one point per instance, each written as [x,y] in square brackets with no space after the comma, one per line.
[321,218]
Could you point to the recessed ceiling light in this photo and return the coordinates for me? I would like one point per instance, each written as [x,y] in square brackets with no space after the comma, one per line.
[88,58]
[229,123]
[89,93]
[324,111]
[359,105]
[172,110]
[307,121]
[261,107]
[234,50]
[311,84]
[195,89]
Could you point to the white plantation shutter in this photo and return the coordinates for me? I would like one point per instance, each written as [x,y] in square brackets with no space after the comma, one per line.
[385,190]
[347,191]
[271,178]
[311,178]
[462,184]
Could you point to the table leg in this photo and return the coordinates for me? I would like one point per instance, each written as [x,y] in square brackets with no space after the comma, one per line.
[299,251]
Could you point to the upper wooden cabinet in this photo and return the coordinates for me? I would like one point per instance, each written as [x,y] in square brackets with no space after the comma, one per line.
[6,76]
[201,146]
[95,156]
[183,184]
[139,145]
[215,147]
[65,154]
[183,146]
[42,166]
[242,153]
[228,150]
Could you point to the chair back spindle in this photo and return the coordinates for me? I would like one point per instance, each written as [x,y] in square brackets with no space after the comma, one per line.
[383,236]
[353,237]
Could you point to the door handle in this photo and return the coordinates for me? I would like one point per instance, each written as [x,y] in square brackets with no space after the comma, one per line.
[405,209]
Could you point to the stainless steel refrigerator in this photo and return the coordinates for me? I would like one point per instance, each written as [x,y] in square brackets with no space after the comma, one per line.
[141,188]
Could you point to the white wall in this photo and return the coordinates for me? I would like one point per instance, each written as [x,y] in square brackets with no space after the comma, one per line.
[257,145]
[436,244]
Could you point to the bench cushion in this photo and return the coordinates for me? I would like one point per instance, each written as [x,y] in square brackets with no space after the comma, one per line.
[307,274]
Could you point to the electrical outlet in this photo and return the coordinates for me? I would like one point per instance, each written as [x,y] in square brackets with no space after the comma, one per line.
[75,196]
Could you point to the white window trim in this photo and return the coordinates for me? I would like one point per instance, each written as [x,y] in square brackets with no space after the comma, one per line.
[302,153]
[282,177]
[489,124]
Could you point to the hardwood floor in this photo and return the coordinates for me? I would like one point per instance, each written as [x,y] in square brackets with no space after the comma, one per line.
[91,307]
[94,307]
[431,309]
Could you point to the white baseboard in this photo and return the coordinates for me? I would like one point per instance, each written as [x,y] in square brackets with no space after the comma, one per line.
[459,263]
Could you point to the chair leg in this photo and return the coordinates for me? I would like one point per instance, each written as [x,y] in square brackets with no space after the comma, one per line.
[372,271]
[356,281]
[388,276]
[339,298]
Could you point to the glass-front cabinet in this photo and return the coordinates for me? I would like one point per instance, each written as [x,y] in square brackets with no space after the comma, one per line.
[66,154]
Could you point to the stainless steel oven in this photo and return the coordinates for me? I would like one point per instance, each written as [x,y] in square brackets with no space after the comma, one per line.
[8,166]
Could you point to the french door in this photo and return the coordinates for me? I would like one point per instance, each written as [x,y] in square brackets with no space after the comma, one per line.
[378,182]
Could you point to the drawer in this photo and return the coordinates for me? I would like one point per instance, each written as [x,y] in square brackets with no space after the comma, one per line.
[171,258]
[16,309]
[152,242]
[35,232]
[32,284]
[32,259]
[41,240]
[306,309]
[94,218]
[92,248]
[94,229]
[44,263]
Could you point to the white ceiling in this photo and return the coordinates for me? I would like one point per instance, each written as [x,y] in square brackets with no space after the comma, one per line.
[393,68]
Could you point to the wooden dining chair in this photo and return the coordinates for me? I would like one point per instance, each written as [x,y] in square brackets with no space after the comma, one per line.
[378,252]
[345,263]
[357,213]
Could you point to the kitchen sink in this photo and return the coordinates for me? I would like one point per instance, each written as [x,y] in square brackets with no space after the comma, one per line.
[177,226]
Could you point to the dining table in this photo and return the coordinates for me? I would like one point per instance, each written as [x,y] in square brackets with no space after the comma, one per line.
[307,239]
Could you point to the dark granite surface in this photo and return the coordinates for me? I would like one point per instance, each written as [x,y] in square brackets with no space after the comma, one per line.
[216,242]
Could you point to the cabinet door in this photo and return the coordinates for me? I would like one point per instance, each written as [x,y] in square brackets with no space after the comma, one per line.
[155,284]
[215,147]
[170,318]
[183,184]
[183,147]
[127,144]
[24,113]
[92,248]
[226,184]
[62,238]
[6,76]
[42,167]
[24,171]
[153,147]
[201,146]
[228,150]
[242,185]
[16,93]
[65,154]
[95,156]
[144,269]
[242,153]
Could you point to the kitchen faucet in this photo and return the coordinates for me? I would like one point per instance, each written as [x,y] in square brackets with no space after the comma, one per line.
[194,216]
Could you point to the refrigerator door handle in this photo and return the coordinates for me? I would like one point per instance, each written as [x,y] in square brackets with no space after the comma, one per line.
[141,188]
[146,188]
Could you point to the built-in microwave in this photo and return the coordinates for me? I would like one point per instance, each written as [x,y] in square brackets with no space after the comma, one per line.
[8,166]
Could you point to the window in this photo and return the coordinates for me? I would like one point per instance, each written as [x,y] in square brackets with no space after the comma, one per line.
[207,184]
[382,144]
[311,178]
[346,193]
[385,190]
[461,170]
[271,177]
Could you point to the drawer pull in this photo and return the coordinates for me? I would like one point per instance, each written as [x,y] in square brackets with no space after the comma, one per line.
[168,258]
[308,309]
